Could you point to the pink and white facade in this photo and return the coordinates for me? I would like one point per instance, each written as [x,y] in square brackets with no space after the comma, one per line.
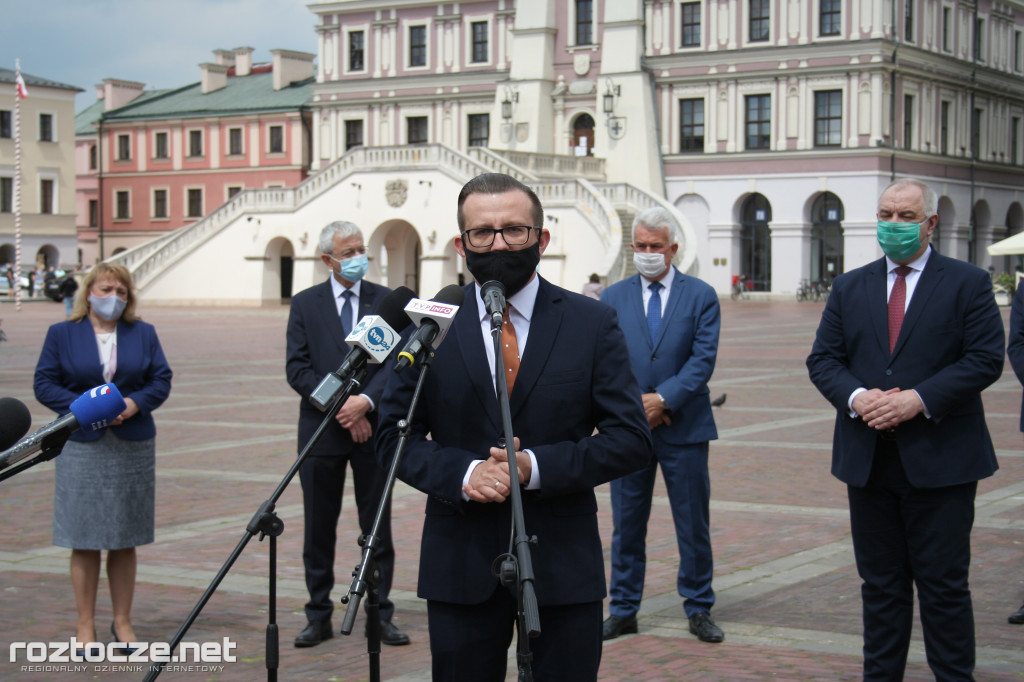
[768,126]
[167,159]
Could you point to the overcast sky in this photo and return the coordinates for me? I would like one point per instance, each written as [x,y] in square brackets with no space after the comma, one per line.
[157,42]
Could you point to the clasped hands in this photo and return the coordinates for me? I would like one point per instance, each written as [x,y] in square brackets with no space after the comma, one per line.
[352,416]
[883,410]
[130,410]
[490,480]
[655,411]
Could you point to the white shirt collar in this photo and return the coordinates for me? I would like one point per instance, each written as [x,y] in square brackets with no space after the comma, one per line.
[523,300]
[338,288]
[917,264]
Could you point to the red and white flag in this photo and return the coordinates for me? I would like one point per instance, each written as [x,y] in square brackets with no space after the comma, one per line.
[19,82]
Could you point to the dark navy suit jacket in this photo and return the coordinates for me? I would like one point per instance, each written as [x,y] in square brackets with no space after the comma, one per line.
[950,348]
[572,379]
[315,347]
[69,365]
[1015,341]
[679,364]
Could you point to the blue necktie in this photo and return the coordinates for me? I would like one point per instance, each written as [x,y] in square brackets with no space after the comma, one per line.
[346,313]
[654,310]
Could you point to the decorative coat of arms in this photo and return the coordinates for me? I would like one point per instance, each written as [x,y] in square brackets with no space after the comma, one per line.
[396,191]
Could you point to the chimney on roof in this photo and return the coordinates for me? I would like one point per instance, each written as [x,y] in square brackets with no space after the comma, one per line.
[243,61]
[214,77]
[290,66]
[224,57]
[116,93]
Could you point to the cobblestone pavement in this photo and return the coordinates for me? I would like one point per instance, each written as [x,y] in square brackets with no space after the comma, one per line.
[788,593]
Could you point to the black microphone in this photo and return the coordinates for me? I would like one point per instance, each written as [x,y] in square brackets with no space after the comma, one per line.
[15,421]
[372,340]
[91,411]
[433,318]
[493,293]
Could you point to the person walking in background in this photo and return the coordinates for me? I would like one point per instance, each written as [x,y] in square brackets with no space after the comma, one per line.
[318,322]
[671,322]
[593,287]
[905,347]
[1015,351]
[68,287]
[105,480]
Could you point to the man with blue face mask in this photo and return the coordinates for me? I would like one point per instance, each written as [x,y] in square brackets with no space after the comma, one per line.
[671,322]
[320,319]
[905,347]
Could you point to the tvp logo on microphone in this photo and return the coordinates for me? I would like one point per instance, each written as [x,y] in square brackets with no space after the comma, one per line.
[418,306]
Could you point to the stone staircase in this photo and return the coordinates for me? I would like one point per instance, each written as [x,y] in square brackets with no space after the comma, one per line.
[560,182]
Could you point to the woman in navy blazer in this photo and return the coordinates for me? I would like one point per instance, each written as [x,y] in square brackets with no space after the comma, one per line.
[105,480]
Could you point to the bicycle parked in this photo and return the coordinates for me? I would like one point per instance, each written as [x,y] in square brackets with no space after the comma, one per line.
[813,291]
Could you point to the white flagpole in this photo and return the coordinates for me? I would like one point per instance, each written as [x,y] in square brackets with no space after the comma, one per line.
[17,184]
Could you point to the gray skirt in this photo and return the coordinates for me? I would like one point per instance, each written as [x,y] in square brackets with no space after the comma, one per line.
[104,493]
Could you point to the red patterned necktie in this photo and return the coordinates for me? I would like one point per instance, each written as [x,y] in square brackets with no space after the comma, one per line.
[509,350]
[897,304]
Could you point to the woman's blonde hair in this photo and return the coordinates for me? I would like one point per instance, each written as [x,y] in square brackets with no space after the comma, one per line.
[80,308]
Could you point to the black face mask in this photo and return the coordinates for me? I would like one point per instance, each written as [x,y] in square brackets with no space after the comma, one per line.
[512,268]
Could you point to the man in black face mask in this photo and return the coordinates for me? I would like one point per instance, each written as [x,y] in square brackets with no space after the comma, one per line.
[578,422]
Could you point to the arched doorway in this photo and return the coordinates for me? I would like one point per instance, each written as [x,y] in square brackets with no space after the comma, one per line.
[583,135]
[394,249]
[756,243]
[278,273]
[48,255]
[826,238]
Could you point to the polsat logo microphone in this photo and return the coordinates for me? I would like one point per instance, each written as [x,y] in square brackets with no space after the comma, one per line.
[99,390]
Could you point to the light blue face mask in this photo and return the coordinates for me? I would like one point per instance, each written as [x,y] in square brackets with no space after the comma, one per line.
[900,241]
[353,269]
[107,307]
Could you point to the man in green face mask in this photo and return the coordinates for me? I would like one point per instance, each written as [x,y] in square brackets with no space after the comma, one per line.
[905,347]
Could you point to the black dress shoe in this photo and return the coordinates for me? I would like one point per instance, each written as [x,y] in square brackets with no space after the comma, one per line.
[391,635]
[316,631]
[1017,618]
[702,625]
[615,626]
[125,650]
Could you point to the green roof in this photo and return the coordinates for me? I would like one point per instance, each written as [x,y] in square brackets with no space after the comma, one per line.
[242,95]
[86,119]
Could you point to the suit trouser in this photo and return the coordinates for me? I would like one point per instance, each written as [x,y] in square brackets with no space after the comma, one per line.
[685,470]
[471,641]
[904,536]
[323,482]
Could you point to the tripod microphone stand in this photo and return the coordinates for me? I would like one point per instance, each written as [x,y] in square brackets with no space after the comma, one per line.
[267,524]
[366,574]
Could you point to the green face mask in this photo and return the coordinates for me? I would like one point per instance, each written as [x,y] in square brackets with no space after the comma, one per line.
[899,241]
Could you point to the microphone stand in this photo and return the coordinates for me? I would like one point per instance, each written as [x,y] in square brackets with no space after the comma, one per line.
[267,524]
[367,574]
[51,448]
[516,570]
